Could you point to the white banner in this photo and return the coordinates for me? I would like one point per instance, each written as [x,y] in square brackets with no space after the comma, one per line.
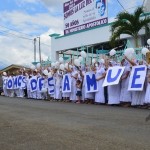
[15,78]
[40,84]
[33,84]
[84,14]
[51,85]
[10,83]
[66,83]
[90,83]
[113,75]
[19,81]
[137,78]
[23,82]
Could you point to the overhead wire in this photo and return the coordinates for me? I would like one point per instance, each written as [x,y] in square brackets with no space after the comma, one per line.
[23,37]
[121,5]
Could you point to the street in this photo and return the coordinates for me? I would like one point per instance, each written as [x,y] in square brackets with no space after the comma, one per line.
[42,125]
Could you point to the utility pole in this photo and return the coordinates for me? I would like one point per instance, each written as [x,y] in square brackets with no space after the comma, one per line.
[39,49]
[34,49]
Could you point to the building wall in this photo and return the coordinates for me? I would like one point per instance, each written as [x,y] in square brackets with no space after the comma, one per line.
[84,38]
[147,5]
[89,37]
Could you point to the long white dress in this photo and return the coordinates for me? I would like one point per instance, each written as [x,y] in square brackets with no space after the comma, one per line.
[138,97]
[5,85]
[58,94]
[83,87]
[114,94]
[147,95]
[73,87]
[125,95]
[88,95]
[99,96]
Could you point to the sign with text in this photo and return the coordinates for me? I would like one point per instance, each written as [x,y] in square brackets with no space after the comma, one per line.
[84,14]
[90,83]
[137,78]
[113,75]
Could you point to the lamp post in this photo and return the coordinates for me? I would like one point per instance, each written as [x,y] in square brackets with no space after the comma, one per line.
[34,49]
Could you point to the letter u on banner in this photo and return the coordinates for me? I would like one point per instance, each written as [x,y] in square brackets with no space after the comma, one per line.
[90,82]
[113,75]
[66,84]
[137,78]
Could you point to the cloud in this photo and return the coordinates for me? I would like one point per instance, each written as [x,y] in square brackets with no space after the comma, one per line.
[131,5]
[20,51]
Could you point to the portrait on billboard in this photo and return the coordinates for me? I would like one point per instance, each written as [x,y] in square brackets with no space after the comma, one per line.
[101,7]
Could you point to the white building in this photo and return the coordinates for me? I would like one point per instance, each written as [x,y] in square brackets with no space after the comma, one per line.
[94,38]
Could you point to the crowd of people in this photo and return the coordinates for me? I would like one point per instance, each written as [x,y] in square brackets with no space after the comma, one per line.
[109,95]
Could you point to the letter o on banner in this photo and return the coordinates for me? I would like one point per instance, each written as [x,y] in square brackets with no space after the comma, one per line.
[10,84]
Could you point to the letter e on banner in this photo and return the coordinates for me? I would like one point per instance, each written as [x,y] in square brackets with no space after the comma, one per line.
[137,78]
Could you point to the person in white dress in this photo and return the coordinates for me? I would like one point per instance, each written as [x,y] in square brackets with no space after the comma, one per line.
[5,78]
[74,76]
[147,95]
[125,95]
[100,74]
[89,97]
[58,93]
[113,90]
[137,96]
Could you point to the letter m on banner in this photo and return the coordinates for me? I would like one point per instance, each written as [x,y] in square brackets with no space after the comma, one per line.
[90,82]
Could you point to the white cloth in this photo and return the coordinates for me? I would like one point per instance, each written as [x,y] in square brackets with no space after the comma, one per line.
[73,86]
[114,94]
[125,95]
[58,83]
[147,95]
[138,97]
[99,96]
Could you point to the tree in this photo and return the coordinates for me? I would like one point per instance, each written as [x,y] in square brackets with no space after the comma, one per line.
[130,24]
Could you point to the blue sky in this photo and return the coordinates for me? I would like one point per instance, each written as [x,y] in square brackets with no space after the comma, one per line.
[37,18]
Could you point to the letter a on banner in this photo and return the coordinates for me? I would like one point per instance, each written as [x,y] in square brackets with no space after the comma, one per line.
[137,78]
[113,75]
[90,82]
[66,84]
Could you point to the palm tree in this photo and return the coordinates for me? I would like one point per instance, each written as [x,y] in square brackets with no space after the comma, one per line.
[130,24]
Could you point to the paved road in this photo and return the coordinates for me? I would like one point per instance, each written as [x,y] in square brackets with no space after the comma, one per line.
[42,125]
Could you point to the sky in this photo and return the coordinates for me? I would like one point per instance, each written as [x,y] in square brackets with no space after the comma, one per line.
[23,20]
